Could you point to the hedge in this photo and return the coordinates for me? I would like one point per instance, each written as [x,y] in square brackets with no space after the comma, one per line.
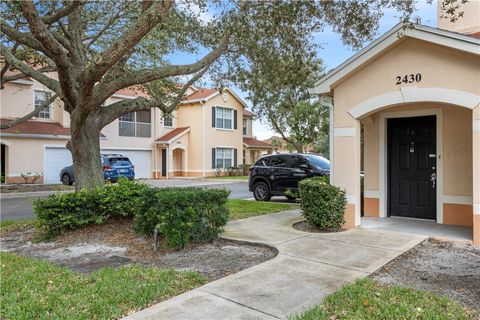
[323,205]
[182,215]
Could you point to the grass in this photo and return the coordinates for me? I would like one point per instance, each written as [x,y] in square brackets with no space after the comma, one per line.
[34,289]
[240,209]
[14,224]
[240,178]
[367,299]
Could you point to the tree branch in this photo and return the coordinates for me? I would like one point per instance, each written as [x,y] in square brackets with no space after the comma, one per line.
[30,72]
[63,12]
[21,37]
[30,115]
[142,26]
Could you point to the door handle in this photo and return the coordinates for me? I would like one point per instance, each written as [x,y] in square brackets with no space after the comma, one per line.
[433,178]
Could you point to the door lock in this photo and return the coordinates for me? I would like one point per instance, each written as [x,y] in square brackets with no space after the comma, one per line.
[433,178]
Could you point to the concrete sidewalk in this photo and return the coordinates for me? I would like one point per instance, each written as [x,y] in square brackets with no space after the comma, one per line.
[308,267]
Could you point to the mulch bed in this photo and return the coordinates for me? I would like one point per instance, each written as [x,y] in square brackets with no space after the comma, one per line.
[115,244]
[446,268]
[305,227]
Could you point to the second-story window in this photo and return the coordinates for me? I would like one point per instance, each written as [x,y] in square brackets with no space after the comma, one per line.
[135,124]
[168,120]
[244,126]
[223,118]
[40,98]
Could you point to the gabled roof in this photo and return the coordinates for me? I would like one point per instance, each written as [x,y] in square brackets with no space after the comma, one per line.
[247,113]
[205,94]
[251,142]
[446,38]
[31,127]
[172,135]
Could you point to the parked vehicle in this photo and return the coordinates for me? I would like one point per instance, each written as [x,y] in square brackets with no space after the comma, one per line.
[273,175]
[114,167]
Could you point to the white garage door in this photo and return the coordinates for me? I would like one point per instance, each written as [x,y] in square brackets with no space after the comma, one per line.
[141,159]
[55,160]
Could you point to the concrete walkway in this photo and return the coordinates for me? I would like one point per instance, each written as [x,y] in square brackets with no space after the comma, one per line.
[308,267]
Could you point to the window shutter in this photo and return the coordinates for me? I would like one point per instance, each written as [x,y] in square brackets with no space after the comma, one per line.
[235,156]
[214,160]
[213,117]
[235,120]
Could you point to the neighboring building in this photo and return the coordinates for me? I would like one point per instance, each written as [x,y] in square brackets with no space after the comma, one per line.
[417,93]
[281,146]
[252,148]
[204,132]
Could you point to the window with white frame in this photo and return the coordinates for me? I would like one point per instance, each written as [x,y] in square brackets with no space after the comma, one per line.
[245,130]
[224,157]
[40,98]
[223,118]
[135,124]
[168,120]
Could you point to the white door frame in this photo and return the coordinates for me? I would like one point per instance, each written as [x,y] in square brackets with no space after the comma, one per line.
[383,168]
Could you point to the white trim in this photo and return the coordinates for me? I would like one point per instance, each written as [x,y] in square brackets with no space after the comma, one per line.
[5,142]
[123,96]
[344,132]
[50,106]
[232,118]
[476,125]
[201,99]
[476,208]
[22,81]
[27,135]
[397,33]
[179,147]
[458,199]
[414,94]
[383,176]
[371,194]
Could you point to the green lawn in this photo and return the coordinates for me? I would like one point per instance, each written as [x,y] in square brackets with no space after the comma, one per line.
[240,178]
[240,209]
[12,224]
[34,289]
[366,299]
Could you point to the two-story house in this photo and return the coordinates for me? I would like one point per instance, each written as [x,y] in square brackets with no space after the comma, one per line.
[205,132]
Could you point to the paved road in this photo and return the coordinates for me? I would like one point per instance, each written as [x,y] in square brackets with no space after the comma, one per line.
[21,208]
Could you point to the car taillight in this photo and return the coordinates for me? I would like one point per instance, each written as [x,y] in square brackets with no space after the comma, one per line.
[107,168]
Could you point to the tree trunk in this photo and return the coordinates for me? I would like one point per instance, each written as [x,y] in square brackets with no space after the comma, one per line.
[85,148]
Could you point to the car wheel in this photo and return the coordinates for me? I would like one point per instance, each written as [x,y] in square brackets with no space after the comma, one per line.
[261,191]
[66,180]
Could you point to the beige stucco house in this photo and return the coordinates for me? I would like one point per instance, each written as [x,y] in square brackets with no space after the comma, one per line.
[416,92]
[203,133]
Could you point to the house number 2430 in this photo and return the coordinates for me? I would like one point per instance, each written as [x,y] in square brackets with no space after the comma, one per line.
[409,78]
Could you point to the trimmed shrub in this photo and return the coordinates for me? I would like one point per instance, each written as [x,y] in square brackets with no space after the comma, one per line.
[323,204]
[60,212]
[183,215]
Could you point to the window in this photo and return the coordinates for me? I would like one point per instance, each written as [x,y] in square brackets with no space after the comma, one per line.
[135,124]
[224,157]
[279,161]
[244,126]
[318,162]
[223,118]
[40,98]
[168,120]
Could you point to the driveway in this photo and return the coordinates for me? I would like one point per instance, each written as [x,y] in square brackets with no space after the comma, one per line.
[19,206]
[307,268]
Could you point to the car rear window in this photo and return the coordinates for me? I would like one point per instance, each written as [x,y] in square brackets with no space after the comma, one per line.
[119,162]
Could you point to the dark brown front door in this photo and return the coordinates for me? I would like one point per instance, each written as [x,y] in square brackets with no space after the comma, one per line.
[412,167]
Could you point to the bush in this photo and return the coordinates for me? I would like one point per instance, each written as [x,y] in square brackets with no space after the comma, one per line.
[60,212]
[183,215]
[323,204]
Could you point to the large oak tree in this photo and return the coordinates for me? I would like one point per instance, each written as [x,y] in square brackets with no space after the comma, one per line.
[96,48]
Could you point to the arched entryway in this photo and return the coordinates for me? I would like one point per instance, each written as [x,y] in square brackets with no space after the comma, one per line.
[178,167]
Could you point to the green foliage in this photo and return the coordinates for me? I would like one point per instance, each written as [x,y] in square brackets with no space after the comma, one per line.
[323,204]
[183,215]
[35,289]
[367,299]
[67,211]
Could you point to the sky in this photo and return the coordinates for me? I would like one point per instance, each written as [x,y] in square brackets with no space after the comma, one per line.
[334,52]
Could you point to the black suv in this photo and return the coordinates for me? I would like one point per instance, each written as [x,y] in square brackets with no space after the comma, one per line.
[272,175]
